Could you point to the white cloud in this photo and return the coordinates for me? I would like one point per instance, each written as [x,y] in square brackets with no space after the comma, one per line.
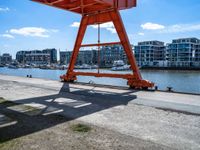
[141,33]
[104,25]
[177,28]
[33,32]
[75,24]
[108,26]
[4,9]
[112,30]
[7,36]
[152,26]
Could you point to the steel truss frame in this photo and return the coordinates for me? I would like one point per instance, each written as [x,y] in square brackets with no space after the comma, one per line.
[134,80]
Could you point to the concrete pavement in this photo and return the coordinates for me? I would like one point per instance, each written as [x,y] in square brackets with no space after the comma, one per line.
[175,124]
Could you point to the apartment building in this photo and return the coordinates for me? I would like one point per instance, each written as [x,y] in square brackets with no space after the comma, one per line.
[39,56]
[6,59]
[150,53]
[184,52]
[107,55]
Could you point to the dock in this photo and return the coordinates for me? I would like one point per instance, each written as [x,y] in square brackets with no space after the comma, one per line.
[165,118]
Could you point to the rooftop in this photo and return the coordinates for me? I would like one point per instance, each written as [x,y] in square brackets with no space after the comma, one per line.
[186,40]
[151,43]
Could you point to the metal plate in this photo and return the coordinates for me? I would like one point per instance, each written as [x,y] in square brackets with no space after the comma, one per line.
[89,6]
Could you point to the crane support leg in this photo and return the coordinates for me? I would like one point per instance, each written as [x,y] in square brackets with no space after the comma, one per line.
[134,80]
[70,77]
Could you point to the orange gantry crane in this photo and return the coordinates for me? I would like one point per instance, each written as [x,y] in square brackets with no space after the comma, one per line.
[96,12]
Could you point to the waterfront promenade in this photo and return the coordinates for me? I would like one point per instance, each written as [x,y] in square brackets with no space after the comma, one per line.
[168,120]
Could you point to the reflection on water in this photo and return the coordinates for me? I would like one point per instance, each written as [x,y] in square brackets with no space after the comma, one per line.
[181,81]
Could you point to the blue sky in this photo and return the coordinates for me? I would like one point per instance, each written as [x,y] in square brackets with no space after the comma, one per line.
[25,25]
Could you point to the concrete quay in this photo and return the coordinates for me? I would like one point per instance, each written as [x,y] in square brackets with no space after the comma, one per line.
[168,119]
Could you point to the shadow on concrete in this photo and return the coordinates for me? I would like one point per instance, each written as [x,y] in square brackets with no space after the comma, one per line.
[56,109]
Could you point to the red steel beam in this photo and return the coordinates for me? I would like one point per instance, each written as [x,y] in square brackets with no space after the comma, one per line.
[119,26]
[82,6]
[76,6]
[123,76]
[55,2]
[78,42]
[101,44]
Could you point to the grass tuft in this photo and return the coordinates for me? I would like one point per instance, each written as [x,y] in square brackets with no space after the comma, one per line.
[80,128]
[2,100]
[5,102]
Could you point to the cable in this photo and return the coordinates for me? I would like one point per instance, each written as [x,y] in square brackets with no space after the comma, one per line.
[99,48]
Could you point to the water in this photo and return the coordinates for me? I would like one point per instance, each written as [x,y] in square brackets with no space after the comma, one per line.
[181,81]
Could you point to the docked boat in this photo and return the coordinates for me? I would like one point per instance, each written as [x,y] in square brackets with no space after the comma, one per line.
[63,67]
[45,67]
[94,67]
[13,67]
[119,65]
[27,66]
[84,66]
[1,65]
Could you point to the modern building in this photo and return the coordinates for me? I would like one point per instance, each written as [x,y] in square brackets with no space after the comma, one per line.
[53,54]
[65,57]
[107,55]
[21,56]
[150,54]
[84,57]
[37,58]
[95,55]
[6,59]
[184,52]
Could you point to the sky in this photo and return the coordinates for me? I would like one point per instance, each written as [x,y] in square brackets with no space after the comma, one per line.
[26,25]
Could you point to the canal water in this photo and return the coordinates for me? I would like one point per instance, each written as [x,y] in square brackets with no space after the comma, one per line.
[181,81]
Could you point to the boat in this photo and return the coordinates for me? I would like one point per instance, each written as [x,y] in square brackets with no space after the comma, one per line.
[84,66]
[119,65]
[94,67]
[27,66]
[1,65]
[63,67]
[44,66]
[12,67]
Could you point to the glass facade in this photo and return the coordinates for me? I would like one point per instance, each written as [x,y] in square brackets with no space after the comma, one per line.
[53,54]
[21,55]
[5,59]
[108,54]
[150,53]
[184,53]
[37,58]
[65,57]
